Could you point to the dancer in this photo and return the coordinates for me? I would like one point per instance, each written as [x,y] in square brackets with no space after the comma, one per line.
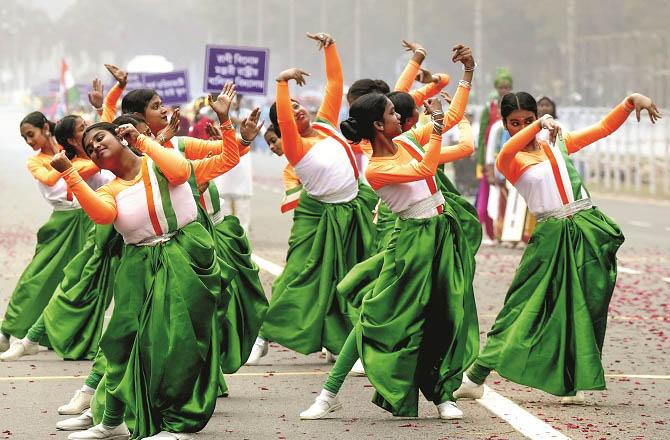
[332,225]
[106,108]
[292,185]
[161,344]
[549,334]
[418,326]
[58,240]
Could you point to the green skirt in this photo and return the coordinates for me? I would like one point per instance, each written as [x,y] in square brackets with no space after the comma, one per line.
[327,240]
[58,242]
[75,315]
[549,334]
[161,344]
[241,319]
[418,327]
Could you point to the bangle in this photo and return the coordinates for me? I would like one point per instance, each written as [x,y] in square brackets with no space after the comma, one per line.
[465,84]
[244,142]
[421,51]
[98,109]
[465,69]
[544,118]
[160,139]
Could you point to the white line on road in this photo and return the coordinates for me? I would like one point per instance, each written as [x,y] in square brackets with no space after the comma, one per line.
[628,271]
[667,280]
[520,419]
[269,188]
[639,224]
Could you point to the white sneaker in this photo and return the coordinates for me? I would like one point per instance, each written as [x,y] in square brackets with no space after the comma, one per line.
[469,390]
[165,435]
[449,411]
[80,402]
[100,432]
[4,343]
[79,423]
[20,348]
[320,408]
[578,399]
[330,357]
[357,369]
[259,350]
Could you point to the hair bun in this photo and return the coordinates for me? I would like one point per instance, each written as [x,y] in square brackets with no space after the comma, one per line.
[350,130]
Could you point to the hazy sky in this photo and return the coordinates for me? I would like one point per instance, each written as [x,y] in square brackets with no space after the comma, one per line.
[54,8]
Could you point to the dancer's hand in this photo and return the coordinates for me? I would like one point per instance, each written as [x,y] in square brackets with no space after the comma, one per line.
[128,133]
[96,95]
[60,162]
[434,109]
[426,77]
[296,74]
[213,132]
[550,124]
[170,130]
[120,75]
[223,101]
[322,38]
[411,46]
[463,54]
[249,127]
[642,102]
[446,96]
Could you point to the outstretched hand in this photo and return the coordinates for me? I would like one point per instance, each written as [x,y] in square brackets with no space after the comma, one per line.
[128,133]
[552,126]
[642,102]
[412,46]
[119,74]
[171,129]
[249,127]
[221,105]
[463,54]
[213,132]
[322,38]
[296,74]
[96,95]
[426,77]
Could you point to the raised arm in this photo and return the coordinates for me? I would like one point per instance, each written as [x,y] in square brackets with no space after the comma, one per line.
[173,165]
[465,146]
[200,148]
[332,100]
[431,89]
[515,144]
[453,116]
[109,106]
[576,140]
[293,146]
[99,205]
[412,68]
[211,167]
[43,172]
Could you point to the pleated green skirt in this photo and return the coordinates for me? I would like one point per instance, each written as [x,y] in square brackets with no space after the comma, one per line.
[161,344]
[418,328]
[327,240]
[59,240]
[549,334]
[75,314]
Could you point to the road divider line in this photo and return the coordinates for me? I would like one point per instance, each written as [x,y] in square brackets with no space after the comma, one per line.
[268,188]
[639,224]
[628,271]
[520,419]
[667,280]
[268,266]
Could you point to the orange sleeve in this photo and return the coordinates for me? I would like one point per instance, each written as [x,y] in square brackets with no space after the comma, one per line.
[109,105]
[290,178]
[99,205]
[465,146]
[85,167]
[173,165]
[211,167]
[406,78]
[43,171]
[332,100]
[195,148]
[453,116]
[515,144]
[576,140]
[291,141]
[385,172]
[429,90]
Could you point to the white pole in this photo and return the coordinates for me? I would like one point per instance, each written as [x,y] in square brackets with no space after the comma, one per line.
[570,37]
[357,39]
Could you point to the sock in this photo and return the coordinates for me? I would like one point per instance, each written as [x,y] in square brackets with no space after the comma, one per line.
[86,389]
[27,341]
[260,340]
[327,395]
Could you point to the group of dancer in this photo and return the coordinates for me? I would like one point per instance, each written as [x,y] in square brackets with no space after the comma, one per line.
[379,270]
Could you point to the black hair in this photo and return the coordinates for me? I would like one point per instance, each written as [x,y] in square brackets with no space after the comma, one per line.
[136,101]
[37,119]
[552,103]
[404,105]
[107,126]
[65,130]
[273,119]
[517,101]
[132,119]
[364,111]
[366,85]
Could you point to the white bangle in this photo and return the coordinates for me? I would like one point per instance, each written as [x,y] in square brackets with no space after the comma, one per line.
[543,119]
[469,70]
[465,84]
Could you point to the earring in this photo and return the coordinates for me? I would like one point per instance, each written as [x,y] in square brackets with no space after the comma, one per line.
[123,142]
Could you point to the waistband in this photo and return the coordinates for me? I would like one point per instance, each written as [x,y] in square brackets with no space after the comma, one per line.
[217,217]
[566,210]
[347,194]
[153,241]
[65,206]
[425,208]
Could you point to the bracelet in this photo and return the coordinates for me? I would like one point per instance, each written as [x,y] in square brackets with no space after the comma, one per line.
[422,51]
[465,84]
[543,119]
[244,142]
[160,139]
[470,70]
[98,109]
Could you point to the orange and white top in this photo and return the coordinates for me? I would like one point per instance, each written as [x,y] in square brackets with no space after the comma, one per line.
[53,188]
[324,162]
[108,112]
[544,177]
[159,201]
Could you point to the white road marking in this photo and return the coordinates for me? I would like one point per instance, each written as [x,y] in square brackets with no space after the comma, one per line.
[520,419]
[269,188]
[628,271]
[667,280]
[639,224]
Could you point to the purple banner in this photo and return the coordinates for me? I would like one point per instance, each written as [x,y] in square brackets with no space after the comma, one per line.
[247,67]
[171,86]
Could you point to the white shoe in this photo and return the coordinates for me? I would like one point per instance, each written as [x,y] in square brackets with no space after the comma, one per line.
[578,399]
[330,357]
[79,423]
[79,403]
[357,369]
[165,435]
[449,411]
[320,408]
[20,348]
[4,343]
[259,350]
[469,390]
[100,432]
